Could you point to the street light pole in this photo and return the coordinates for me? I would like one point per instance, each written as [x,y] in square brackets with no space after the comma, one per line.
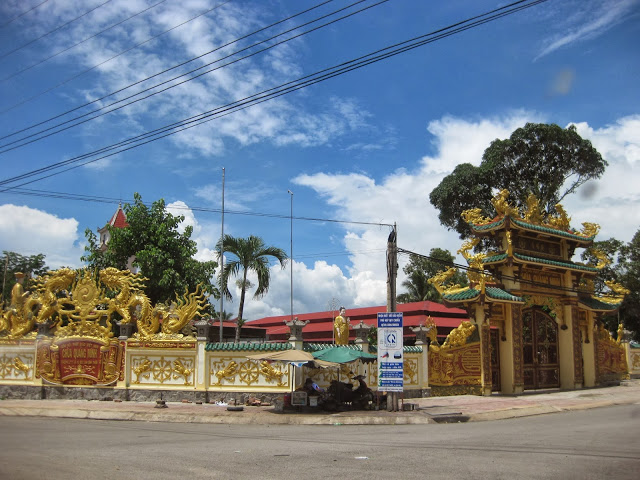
[291,252]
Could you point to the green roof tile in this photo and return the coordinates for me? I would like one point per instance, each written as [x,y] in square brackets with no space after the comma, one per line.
[491,292]
[469,294]
[316,347]
[499,294]
[498,257]
[488,226]
[561,233]
[571,265]
[595,304]
[245,347]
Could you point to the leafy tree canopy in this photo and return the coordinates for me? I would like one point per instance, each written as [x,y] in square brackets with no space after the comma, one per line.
[163,253]
[546,160]
[624,270]
[420,269]
[629,277]
[32,266]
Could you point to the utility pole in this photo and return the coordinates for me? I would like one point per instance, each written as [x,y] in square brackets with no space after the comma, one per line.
[4,278]
[222,263]
[392,274]
[392,268]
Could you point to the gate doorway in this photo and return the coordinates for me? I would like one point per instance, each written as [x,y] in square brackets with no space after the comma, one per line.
[495,361]
[540,350]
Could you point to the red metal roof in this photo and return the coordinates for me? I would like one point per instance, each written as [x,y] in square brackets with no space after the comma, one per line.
[320,326]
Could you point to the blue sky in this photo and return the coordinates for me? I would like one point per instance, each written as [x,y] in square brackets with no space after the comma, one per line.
[367,146]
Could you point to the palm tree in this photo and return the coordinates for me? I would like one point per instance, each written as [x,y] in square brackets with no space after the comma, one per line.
[252,254]
[420,269]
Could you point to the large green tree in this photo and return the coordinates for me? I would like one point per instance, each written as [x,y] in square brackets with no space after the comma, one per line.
[164,254]
[629,276]
[420,269]
[626,272]
[251,254]
[32,266]
[549,161]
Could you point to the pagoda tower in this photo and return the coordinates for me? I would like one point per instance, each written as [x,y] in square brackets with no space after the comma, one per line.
[534,307]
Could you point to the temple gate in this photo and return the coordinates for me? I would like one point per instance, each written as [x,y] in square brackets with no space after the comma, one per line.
[538,318]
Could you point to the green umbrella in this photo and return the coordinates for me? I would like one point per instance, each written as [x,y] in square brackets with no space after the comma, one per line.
[344,355]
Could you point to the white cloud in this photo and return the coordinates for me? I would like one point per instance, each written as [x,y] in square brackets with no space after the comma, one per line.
[28,231]
[281,121]
[401,197]
[587,21]
[613,200]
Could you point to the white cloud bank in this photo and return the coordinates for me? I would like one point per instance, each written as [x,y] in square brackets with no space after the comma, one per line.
[28,231]
[401,197]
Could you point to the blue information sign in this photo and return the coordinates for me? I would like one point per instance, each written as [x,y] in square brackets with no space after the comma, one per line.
[390,352]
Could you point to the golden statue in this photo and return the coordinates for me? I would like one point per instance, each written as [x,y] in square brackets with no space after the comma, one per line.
[19,318]
[533,214]
[341,328]
[561,220]
[502,205]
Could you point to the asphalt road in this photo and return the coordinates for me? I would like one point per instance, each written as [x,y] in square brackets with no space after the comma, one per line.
[592,444]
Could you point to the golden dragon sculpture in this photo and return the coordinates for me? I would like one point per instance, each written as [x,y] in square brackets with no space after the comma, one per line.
[190,306]
[130,301]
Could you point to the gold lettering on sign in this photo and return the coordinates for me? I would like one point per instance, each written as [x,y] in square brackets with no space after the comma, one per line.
[542,279]
[537,247]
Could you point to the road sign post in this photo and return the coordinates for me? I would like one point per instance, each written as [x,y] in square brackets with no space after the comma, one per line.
[390,352]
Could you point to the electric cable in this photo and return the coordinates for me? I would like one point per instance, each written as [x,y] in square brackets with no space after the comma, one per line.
[35,134]
[64,82]
[109,200]
[59,52]
[22,14]
[52,31]
[475,270]
[285,88]
[158,131]
[96,100]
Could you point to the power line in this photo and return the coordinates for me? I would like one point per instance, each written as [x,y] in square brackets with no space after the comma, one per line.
[59,52]
[33,97]
[275,92]
[110,200]
[52,31]
[256,98]
[104,107]
[22,14]
[96,100]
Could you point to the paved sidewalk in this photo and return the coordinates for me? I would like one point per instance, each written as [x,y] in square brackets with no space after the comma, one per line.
[426,410]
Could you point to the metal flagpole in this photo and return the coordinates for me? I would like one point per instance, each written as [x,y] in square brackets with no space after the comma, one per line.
[222,261]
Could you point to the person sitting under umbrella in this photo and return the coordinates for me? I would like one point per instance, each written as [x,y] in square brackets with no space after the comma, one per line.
[312,388]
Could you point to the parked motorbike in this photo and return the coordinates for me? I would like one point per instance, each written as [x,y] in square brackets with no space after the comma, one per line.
[343,394]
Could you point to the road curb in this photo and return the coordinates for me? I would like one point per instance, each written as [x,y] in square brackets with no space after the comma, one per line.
[429,411]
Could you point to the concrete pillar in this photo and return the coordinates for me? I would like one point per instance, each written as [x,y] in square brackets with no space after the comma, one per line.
[566,351]
[295,339]
[126,330]
[423,367]
[362,335]
[589,353]
[295,332]
[507,359]
[482,324]
[203,329]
